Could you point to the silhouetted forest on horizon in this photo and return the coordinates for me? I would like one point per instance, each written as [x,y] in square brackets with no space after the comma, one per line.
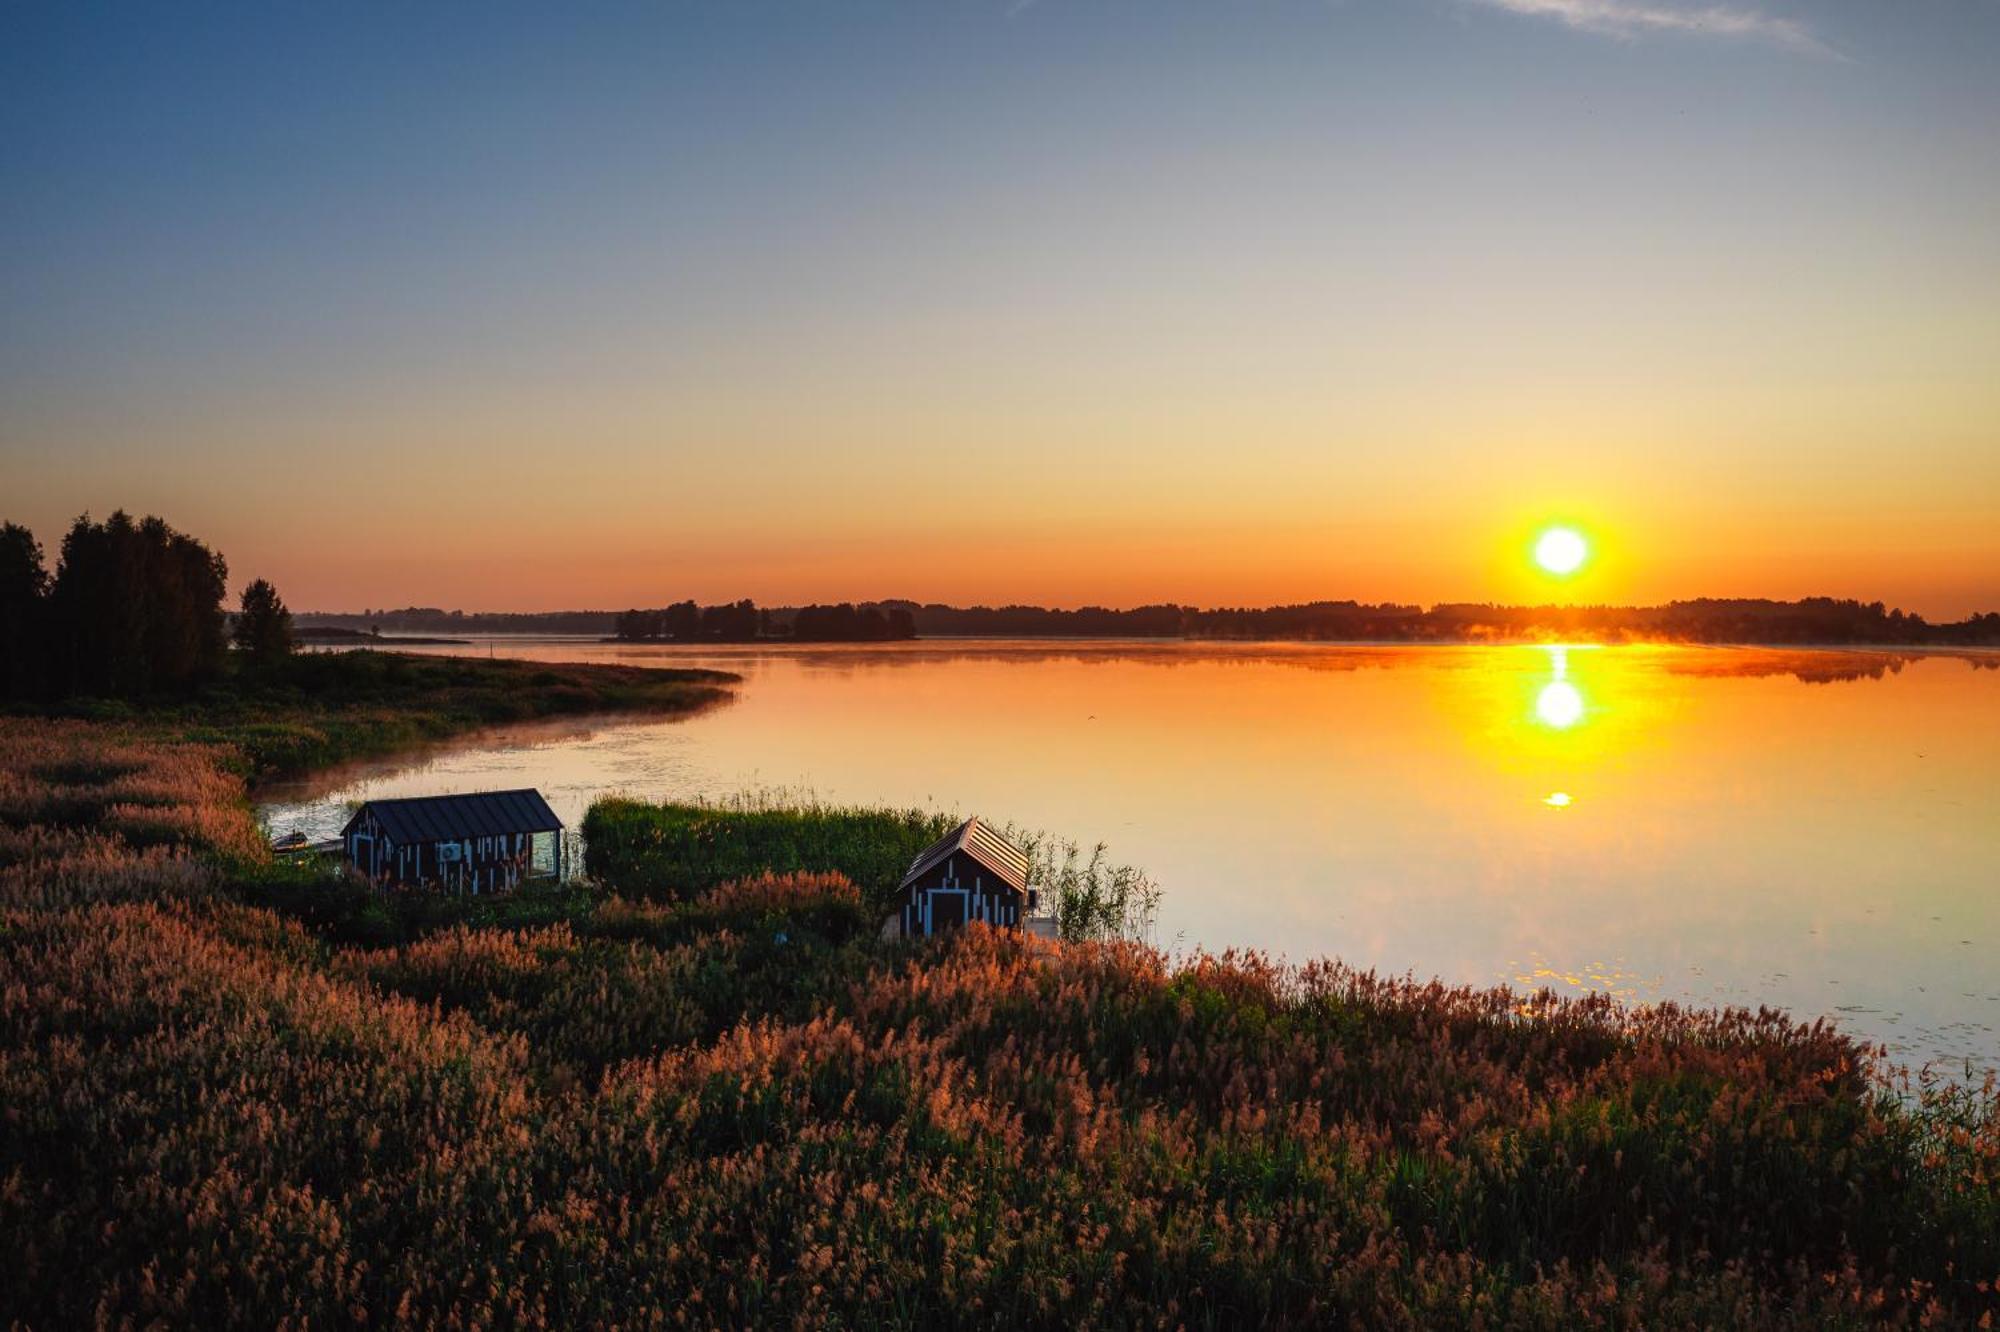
[1702,620]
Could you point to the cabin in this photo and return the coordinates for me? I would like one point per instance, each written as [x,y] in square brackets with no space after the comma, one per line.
[971,873]
[487,842]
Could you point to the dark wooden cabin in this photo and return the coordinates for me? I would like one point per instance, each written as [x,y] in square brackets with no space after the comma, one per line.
[971,873]
[487,842]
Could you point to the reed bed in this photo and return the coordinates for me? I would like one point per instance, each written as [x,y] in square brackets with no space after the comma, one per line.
[737,1106]
[673,851]
[210,1118]
[316,709]
[94,813]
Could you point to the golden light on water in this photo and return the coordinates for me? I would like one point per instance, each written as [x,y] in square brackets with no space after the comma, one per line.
[1560,705]
[1561,551]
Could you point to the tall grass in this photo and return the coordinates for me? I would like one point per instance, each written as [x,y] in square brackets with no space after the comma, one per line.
[315,709]
[126,803]
[210,1121]
[675,850]
[90,813]
[738,1107]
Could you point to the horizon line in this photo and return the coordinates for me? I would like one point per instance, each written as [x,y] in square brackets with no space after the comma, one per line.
[1888,608]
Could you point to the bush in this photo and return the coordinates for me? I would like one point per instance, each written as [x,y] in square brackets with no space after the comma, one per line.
[211,1122]
[672,852]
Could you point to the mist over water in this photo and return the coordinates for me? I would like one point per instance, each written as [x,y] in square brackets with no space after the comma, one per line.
[1812,830]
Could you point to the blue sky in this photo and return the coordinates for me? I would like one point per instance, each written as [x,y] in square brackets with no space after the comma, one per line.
[1240,302]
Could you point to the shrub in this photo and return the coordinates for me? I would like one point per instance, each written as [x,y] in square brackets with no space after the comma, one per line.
[672,852]
[211,1121]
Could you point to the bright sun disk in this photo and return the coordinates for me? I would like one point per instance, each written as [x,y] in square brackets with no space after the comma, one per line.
[1561,550]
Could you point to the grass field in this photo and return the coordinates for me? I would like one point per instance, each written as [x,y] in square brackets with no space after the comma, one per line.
[114,802]
[736,1106]
[320,708]
[675,850]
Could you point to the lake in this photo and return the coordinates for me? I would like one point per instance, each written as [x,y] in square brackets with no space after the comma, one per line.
[1816,830]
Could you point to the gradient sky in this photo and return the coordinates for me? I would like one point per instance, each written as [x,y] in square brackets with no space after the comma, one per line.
[1224,303]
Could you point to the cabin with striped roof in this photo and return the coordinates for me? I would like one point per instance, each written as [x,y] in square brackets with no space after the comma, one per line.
[971,873]
[483,842]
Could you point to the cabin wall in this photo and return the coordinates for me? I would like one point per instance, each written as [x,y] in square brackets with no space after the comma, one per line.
[470,865]
[986,897]
[365,846]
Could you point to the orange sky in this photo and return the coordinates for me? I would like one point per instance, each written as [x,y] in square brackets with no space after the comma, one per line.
[1028,303]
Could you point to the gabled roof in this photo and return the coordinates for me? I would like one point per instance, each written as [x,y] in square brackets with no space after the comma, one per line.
[451,817]
[979,840]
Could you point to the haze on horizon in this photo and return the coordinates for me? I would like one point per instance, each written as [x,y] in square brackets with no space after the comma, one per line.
[1014,301]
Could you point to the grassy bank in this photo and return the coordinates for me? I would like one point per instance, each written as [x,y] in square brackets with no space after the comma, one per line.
[118,802]
[720,1112]
[674,851]
[736,1106]
[318,709]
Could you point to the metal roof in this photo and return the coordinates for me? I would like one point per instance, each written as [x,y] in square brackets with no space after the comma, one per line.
[977,839]
[450,818]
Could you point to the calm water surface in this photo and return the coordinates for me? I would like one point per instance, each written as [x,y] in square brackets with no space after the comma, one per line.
[1813,830]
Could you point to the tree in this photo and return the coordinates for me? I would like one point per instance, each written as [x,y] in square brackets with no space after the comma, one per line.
[682,622]
[136,608]
[24,584]
[264,625]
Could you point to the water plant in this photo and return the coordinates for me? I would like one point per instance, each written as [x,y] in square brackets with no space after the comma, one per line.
[675,850]
[740,1107]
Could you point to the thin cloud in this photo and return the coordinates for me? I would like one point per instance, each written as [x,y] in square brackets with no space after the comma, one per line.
[1635,18]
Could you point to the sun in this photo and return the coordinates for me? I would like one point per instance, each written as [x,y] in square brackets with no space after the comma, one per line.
[1561,550]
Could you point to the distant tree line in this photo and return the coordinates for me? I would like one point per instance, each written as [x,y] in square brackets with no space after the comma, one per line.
[1707,620]
[133,609]
[848,623]
[437,620]
[743,622]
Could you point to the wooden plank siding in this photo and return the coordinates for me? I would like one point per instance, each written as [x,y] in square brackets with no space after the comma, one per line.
[472,862]
[957,890]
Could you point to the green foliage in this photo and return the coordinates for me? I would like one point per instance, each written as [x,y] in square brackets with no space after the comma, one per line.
[313,709]
[134,610]
[263,627]
[341,910]
[214,1119]
[670,852]
[626,981]
[320,1106]
[1090,897]
[824,907]
[117,803]
[24,584]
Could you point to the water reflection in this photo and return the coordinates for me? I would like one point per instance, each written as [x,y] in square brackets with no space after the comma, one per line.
[1808,665]
[1559,705]
[1664,822]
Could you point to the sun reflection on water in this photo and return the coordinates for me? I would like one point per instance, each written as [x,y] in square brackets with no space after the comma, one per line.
[1560,705]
